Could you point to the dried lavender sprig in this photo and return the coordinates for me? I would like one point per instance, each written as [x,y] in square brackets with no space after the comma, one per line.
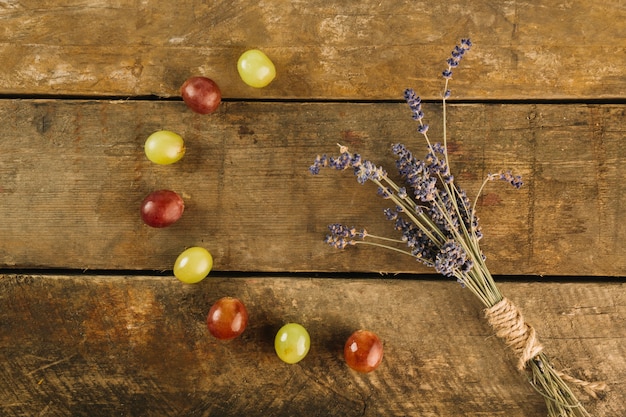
[415,104]
[455,57]
[457,54]
[342,236]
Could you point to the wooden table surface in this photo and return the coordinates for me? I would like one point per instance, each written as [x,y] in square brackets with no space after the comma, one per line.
[93,323]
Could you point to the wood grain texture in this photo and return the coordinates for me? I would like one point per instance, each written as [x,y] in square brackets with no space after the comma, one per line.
[128,341]
[73,174]
[322,49]
[102,345]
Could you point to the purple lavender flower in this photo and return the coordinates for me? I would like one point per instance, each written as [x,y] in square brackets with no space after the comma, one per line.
[451,258]
[364,170]
[337,229]
[385,192]
[390,214]
[341,236]
[367,171]
[455,57]
[420,245]
[340,162]
[415,103]
[320,162]
[515,180]
[436,160]
[421,176]
[338,242]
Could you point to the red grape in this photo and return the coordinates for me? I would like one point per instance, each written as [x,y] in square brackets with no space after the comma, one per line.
[227,318]
[363,351]
[201,94]
[162,208]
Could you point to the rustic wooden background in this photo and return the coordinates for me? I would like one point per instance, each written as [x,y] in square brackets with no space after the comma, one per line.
[93,323]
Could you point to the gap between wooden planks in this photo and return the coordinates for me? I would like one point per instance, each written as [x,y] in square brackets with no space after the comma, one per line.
[79,345]
[73,174]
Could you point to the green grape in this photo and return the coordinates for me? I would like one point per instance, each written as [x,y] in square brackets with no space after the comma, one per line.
[164,147]
[255,68]
[292,343]
[193,265]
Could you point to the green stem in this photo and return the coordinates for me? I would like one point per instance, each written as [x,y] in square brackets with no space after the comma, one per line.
[387,239]
[445,131]
[380,245]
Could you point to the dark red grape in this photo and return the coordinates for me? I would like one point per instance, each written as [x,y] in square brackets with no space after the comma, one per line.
[201,94]
[162,208]
[363,351]
[227,318]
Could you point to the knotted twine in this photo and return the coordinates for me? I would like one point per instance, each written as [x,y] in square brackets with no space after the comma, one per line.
[509,325]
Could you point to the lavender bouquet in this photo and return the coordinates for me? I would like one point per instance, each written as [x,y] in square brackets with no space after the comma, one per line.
[436,224]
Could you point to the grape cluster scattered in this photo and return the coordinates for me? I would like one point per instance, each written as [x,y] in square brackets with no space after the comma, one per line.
[228,317]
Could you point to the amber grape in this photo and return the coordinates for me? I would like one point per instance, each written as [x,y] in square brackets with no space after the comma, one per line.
[227,318]
[363,351]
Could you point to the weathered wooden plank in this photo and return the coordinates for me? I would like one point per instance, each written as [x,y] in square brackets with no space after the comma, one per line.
[73,173]
[323,49]
[138,346]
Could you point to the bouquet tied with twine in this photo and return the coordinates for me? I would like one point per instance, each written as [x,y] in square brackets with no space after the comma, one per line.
[438,226]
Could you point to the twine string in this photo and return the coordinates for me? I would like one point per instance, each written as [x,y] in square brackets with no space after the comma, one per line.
[592,388]
[509,325]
